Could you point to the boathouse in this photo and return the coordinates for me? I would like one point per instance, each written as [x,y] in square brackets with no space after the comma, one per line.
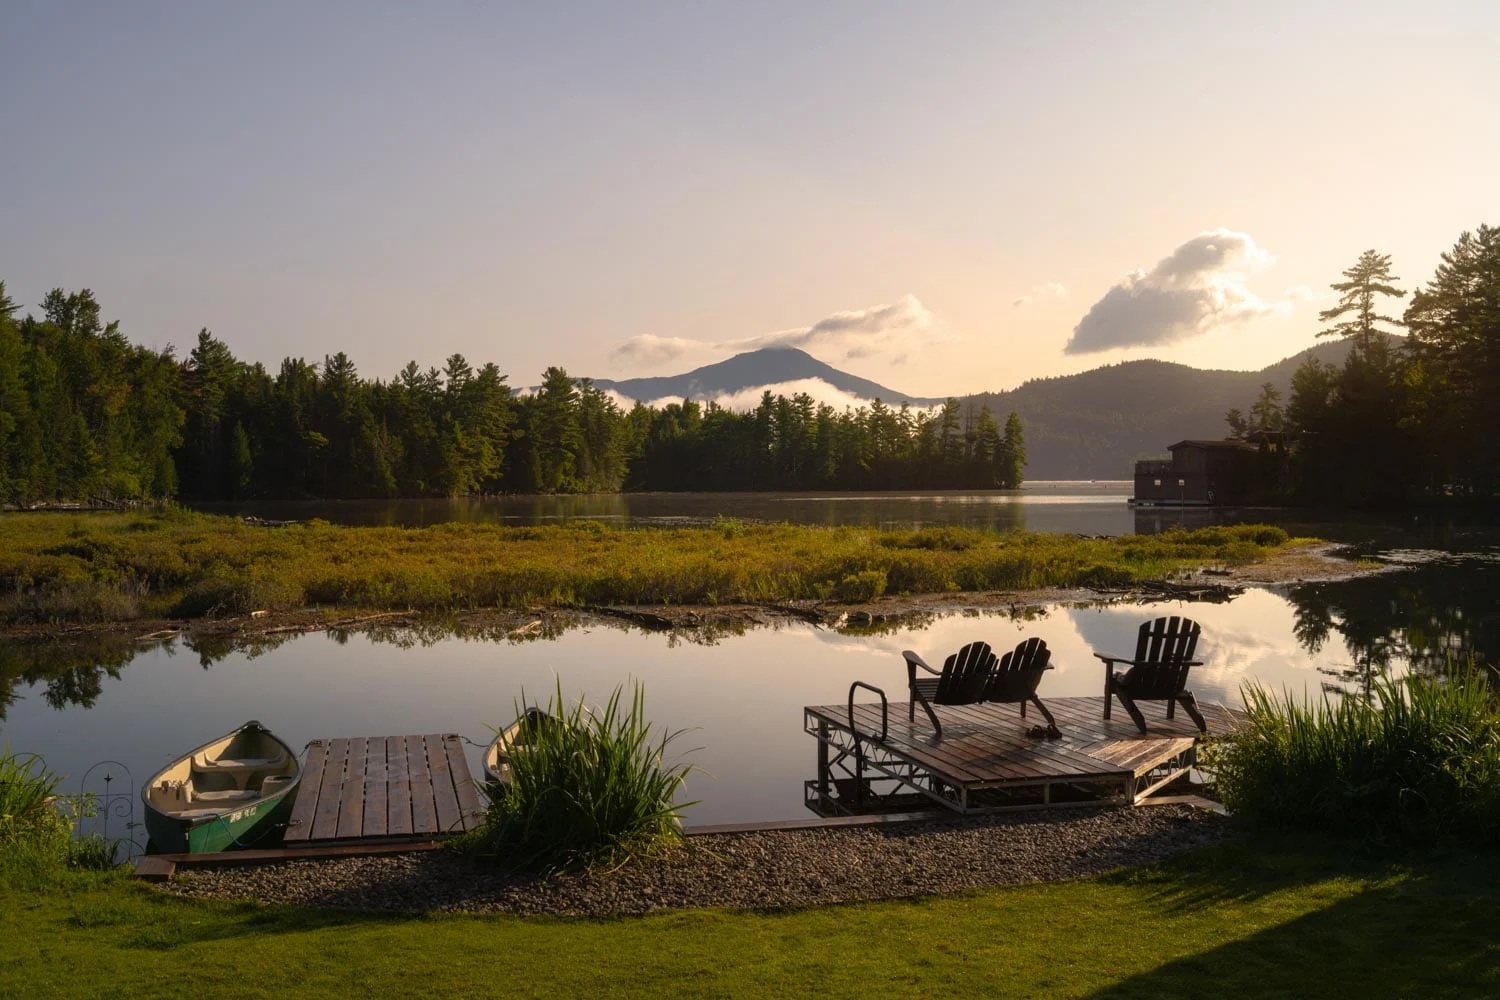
[1201,473]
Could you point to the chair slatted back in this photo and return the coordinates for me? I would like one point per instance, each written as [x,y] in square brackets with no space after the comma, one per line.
[1016,676]
[1162,649]
[965,675]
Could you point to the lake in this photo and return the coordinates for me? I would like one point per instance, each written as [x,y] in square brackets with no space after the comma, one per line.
[739,696]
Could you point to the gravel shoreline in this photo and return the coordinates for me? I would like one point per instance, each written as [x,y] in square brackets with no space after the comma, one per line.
[742,870]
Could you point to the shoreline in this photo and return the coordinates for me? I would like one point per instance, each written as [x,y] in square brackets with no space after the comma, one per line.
[1318,562]
[755,870]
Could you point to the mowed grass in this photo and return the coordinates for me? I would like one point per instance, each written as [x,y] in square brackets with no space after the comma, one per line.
[116,567]
[1279,919]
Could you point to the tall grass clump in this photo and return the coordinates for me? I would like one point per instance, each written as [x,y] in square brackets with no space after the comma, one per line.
[1419,759]
[587,788]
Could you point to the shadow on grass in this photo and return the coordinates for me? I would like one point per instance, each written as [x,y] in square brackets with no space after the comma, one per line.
[1419,924]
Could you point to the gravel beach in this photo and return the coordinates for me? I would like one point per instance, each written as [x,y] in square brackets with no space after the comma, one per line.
[761,869]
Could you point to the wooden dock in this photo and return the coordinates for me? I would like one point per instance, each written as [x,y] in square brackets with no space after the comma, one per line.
[383,789]
[988,761]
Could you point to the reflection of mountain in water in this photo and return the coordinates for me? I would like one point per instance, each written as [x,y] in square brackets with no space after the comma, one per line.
[1435,615]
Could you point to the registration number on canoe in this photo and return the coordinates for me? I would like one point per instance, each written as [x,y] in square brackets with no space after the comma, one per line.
[240,814]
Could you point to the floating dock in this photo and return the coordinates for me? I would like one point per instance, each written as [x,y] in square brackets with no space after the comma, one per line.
[374,790]
[987,761]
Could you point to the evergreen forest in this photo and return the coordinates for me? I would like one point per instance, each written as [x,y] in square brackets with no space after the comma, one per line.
[87,415]
[1406,419]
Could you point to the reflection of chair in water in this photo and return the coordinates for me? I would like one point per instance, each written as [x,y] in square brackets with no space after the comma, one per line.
[974,674]
[1158,672]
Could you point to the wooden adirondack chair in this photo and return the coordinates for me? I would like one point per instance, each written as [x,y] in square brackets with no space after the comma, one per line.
[975,674]
[1158,672]
[962,680]
[1016,677]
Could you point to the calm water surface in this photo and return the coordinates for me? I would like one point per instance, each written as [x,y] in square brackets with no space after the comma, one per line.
[739,696]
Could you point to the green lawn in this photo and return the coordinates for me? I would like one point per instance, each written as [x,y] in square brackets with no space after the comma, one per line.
[1280,919]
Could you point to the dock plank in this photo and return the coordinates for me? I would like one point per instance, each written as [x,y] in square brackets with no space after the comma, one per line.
[445,796]
[376,788]
[423,805]
[330,791]
[299,824]
[471,810]
[352,794]
[397,788]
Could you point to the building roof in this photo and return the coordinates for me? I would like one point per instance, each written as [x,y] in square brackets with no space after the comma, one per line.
[1213,445]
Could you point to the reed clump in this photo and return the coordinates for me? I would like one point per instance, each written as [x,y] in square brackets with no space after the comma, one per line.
[1419,759]
[36,826]
[587,788]
[180,564]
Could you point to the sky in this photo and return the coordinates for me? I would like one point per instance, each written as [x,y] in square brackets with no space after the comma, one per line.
[944,198]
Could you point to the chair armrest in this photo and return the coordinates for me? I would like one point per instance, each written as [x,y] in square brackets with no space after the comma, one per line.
[1111,660]
[915,660]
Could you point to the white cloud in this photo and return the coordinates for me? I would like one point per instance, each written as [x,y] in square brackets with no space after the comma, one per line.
[1197,288]
[749,399]
[1051,290]
[891,331]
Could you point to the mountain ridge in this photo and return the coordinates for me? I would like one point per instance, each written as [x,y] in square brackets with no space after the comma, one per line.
[767,366]
[1088,425]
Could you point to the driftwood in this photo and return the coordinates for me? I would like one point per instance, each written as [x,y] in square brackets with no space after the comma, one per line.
[812,615]
[263,522]
[645,619]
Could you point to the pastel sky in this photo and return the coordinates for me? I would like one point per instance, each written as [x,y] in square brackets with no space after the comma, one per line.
[943,197]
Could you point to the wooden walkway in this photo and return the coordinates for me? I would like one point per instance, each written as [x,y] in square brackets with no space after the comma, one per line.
[369,789]
[986,759]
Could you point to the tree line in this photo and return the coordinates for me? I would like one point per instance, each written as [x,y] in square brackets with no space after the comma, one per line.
[87,415]
[1406,419]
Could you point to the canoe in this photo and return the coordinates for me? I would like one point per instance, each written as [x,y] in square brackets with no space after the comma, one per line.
[228,793]
[497,755]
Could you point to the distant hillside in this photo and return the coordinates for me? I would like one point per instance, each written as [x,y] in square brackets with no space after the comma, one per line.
[1092,425]
[1095,424]
[767,366]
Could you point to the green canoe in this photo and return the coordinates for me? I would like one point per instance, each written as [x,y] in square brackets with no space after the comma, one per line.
[228,793]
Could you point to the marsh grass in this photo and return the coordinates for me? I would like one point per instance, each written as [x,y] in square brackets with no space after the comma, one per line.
[588,788]
[174,563]
[1419,759]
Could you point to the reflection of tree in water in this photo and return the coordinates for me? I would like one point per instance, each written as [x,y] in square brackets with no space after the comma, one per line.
[1428,618]
[72,673]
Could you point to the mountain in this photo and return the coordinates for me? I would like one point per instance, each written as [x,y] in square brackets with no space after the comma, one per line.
[750,370]
[1095,424]
[1092,425]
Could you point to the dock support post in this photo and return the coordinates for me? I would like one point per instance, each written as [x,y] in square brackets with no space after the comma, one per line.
[823,775]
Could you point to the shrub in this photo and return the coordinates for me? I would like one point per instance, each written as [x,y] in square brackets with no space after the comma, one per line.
[863,586]
[589,789]
[34,835]
[1418,760]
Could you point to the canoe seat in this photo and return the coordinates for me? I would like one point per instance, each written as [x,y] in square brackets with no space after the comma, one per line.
[230,764]
[226,796]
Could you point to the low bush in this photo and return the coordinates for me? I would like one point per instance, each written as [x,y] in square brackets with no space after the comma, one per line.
[588,788]
[1419,759]
[35,835]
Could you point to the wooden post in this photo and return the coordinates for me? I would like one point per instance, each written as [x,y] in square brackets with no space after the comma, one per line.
[823,776]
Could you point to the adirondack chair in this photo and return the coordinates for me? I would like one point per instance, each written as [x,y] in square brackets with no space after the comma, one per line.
[962,681]
[1158,672]
[975,674]
[1016,677]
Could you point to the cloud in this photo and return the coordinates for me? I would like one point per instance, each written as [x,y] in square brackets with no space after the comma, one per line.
[748,399]
[1197,288]
[649,349]
[1051,290]
[892,331]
